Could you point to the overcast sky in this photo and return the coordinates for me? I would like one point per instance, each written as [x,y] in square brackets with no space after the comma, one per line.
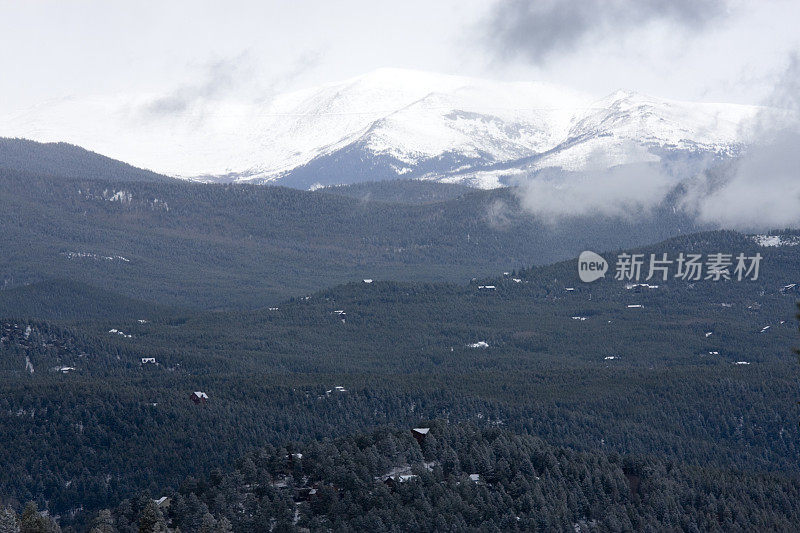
[683,49]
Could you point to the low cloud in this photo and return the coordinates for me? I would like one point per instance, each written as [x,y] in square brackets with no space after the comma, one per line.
[537,30]
[216,79]
[498,215]
[624,191]
[235,76]
[761,190]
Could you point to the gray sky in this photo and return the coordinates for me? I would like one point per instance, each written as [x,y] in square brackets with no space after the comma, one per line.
[685,49]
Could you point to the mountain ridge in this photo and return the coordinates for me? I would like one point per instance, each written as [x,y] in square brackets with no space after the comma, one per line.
[67,160]
[396,123]
[226,245]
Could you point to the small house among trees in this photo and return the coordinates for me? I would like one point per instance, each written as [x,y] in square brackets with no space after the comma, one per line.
[163,502]
[420,433]
[199,397]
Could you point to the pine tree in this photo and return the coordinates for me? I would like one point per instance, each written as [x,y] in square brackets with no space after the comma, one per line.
[8,521]
[151,520]
[33,521]
[103,523]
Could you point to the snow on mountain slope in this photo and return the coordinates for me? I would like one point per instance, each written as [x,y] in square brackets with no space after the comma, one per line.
[505,120]
[409,118]
[392,123]
[299,126]
[626,125]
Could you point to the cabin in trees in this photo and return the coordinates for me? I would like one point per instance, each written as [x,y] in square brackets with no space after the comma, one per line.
[199,397]
[420,433]
[163,502]
[791,288]
[392,481]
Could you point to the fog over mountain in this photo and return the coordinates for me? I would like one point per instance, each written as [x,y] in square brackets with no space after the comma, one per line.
[567,152]
[763,187]
[390,123]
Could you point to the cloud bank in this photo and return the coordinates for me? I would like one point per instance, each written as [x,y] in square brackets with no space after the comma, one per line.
[625,191]
[217,78]
[239,77]
[762,190]
[759,190]
[538,30]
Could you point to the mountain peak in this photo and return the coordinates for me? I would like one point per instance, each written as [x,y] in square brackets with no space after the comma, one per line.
[389,123]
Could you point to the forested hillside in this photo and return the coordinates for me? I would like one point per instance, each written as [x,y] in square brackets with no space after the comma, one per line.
[60,299]
[402,191]
[68,161]
[98,410]
[235,246]
[462,478]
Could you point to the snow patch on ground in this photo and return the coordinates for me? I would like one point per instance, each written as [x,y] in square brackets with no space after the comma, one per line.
[479,344]
[89,255]
[774,241]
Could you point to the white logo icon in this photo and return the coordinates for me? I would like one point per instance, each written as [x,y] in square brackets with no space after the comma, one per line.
[591,266]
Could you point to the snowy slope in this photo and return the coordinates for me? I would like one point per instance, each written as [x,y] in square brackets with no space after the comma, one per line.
[627,126]
[480,132]
[392,123]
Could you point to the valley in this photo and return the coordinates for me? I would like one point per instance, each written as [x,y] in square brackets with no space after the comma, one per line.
[361,355]
[438,267]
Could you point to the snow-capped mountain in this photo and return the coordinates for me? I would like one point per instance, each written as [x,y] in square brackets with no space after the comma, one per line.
[396,123]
